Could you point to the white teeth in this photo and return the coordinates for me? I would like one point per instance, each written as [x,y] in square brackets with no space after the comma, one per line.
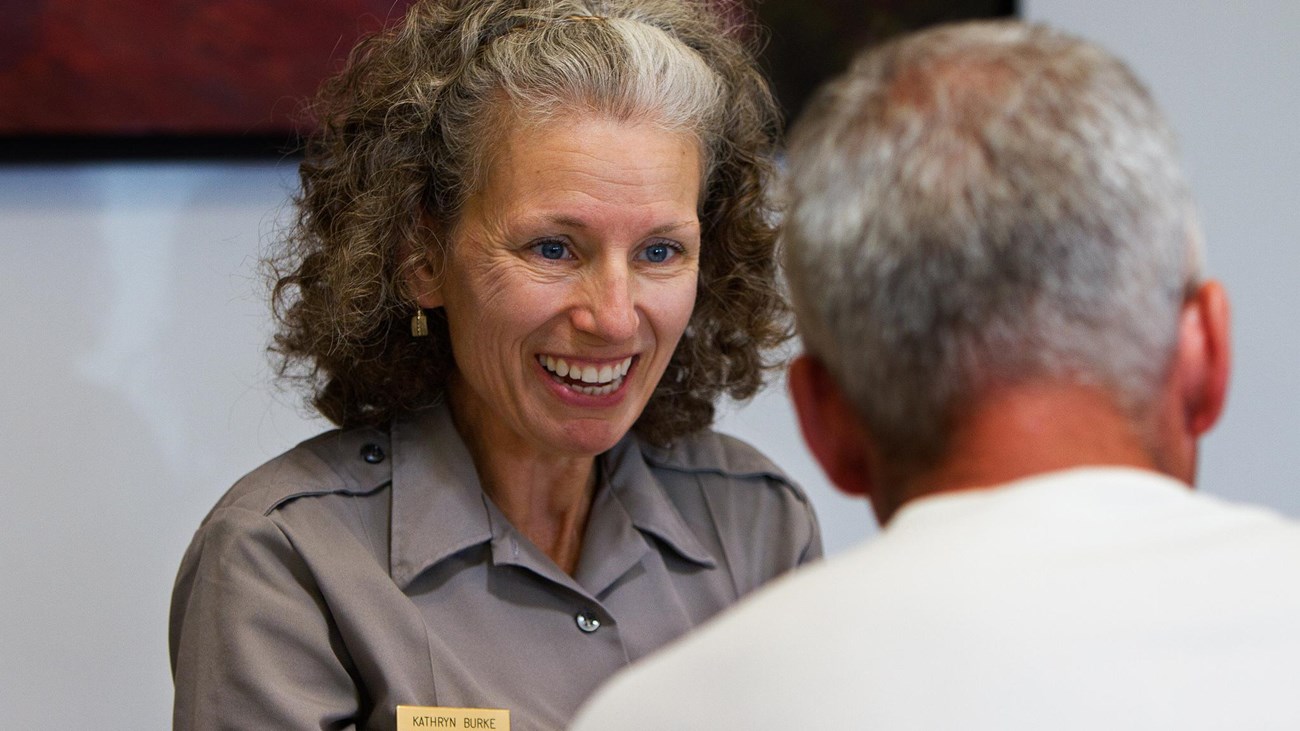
[597,390]
[605,379]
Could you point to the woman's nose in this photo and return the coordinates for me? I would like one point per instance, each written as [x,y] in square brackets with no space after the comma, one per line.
[608,307]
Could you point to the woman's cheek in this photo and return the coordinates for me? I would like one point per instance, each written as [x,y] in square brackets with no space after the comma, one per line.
[680,302]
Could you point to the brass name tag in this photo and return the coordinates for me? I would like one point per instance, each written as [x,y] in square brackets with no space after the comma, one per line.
[418,718]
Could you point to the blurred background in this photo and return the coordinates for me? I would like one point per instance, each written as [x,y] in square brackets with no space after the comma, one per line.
[135,387]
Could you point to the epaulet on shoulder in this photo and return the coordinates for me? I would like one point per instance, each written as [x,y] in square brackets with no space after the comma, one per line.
[712,452]
[340,461]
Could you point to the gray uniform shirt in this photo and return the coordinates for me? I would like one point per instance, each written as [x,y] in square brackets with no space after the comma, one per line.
[362,570]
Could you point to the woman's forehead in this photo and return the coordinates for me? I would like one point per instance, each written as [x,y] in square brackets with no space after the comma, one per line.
[576,162]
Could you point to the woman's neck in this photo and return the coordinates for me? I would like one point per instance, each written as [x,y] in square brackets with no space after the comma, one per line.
[545,495]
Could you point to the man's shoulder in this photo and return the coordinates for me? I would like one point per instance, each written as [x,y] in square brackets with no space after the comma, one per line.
[777,643]
[1168,579]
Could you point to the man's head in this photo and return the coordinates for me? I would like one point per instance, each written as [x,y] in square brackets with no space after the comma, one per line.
[988,205]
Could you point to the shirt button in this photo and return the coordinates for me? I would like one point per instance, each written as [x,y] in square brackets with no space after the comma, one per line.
[373,453]
[587,621]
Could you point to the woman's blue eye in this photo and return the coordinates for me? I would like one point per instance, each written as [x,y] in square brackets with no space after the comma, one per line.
[658,253]
[551,250]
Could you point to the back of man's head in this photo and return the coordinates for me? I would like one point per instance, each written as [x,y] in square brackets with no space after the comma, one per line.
[983,205]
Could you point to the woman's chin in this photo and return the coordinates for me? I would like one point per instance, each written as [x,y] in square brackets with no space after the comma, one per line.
[590,436]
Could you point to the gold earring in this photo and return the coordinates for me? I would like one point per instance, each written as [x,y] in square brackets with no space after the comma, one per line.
[419,325]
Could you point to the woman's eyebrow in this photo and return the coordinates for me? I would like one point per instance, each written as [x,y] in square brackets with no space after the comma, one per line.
[571,222]
[670,227]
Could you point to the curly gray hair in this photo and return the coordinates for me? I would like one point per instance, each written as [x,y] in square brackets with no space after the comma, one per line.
[407,133]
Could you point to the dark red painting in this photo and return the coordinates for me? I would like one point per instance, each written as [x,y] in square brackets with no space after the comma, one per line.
[171,67]
[124,73]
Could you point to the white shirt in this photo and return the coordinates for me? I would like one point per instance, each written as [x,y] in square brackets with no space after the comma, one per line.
[1092,598]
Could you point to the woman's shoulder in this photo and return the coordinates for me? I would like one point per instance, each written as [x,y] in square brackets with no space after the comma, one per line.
[710,452]
[732,475]
[339,461]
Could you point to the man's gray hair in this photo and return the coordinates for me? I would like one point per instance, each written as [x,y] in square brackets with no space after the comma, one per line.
[982,204]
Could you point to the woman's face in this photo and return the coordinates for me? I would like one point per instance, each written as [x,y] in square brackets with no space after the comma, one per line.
[569,281]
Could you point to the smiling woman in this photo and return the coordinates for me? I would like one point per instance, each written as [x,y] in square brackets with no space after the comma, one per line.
[582,249]
[574,264]
[566,201]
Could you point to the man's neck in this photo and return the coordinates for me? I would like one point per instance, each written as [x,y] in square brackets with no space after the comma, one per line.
[1029,429]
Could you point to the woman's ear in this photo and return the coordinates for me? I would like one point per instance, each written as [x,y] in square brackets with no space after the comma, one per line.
[424,282]
[424,277]
[831,427]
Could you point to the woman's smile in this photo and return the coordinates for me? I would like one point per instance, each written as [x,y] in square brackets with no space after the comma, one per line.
[570,279]
[586,377]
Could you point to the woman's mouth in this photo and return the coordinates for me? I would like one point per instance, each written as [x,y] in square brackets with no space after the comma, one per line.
[591,379]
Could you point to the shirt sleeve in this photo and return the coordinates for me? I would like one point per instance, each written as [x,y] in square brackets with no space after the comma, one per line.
[812,545]
[796,537]
[252,645]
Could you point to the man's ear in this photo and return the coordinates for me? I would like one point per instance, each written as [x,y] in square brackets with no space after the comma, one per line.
[831,427]
[1204,358]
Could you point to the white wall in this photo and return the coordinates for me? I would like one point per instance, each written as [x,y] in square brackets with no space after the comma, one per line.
[135,389]
[1228,76]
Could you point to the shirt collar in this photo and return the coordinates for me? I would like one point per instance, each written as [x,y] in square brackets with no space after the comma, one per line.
[439,509]
[645,499]
[1065,491]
